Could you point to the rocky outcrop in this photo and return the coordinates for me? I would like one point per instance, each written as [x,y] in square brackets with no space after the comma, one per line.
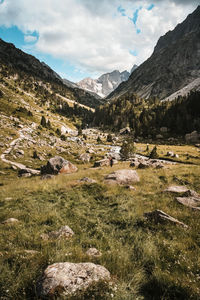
[57,165]
[174,63]
[192,202]
[67,279]
[124,176]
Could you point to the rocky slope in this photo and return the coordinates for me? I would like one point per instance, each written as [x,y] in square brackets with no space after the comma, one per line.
[105,84]
[19,64]
[174,64]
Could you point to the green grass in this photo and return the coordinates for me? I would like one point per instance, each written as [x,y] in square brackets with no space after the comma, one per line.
[146,261]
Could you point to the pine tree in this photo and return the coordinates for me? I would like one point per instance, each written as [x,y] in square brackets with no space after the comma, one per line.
[43,122]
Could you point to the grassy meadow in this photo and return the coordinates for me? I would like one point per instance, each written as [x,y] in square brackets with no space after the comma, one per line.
[146,261]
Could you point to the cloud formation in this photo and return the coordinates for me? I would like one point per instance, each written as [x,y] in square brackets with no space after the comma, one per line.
[96,36]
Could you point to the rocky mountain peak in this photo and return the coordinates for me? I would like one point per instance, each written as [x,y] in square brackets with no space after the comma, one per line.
[105,84]
[191,24]
[174,64]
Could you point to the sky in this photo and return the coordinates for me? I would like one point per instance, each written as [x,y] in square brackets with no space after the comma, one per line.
[87,38]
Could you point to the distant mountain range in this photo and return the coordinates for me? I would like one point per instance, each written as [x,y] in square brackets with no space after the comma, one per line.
[174,67]
[106,83]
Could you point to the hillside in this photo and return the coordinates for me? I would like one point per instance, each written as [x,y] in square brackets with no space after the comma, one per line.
[174,64]
[27,68]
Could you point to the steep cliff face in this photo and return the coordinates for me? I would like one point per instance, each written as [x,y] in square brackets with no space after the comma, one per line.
[174,63]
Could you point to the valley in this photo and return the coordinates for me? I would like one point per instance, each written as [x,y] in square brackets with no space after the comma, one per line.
[100,198]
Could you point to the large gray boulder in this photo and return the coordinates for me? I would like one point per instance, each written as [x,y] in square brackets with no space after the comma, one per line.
[67,279]
[57,165]
[124,176]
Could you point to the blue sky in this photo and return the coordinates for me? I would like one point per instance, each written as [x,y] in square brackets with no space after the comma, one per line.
[86,38]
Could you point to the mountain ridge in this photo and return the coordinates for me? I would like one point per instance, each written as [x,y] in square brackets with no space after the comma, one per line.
[172,65]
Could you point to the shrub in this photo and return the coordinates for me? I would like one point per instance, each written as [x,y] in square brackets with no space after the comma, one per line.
[127,149]
[43,122]
[109,138]
[154,153]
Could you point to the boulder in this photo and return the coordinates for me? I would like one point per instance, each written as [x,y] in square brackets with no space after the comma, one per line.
[180,190]
[10,221]
[85,157]
[170,153]
[66,279]
[63,232]
[124,176]
[93,252]
[57,165]
[159,216]
[192,202]
[102,163]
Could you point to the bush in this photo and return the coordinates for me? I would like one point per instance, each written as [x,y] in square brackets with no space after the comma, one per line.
[99,140]
[43,122]
[127,149]
[109,138]
[154,153]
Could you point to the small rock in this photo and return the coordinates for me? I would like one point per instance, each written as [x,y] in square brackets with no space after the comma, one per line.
[93,252]
[192,202]
[87,180]
[130,187]
[66,279]
[10,221]
[63,232]
[159,216]
[180,190]
[33,252]
[170,153]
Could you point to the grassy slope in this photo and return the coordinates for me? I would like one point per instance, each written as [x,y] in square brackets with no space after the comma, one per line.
[146,261]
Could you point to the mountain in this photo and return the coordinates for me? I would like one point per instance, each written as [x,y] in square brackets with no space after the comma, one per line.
[174,64]
[14,61]
[134,68]
[105,84]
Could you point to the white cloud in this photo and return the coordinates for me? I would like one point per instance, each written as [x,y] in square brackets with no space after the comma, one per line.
[91,34]
[30,38]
